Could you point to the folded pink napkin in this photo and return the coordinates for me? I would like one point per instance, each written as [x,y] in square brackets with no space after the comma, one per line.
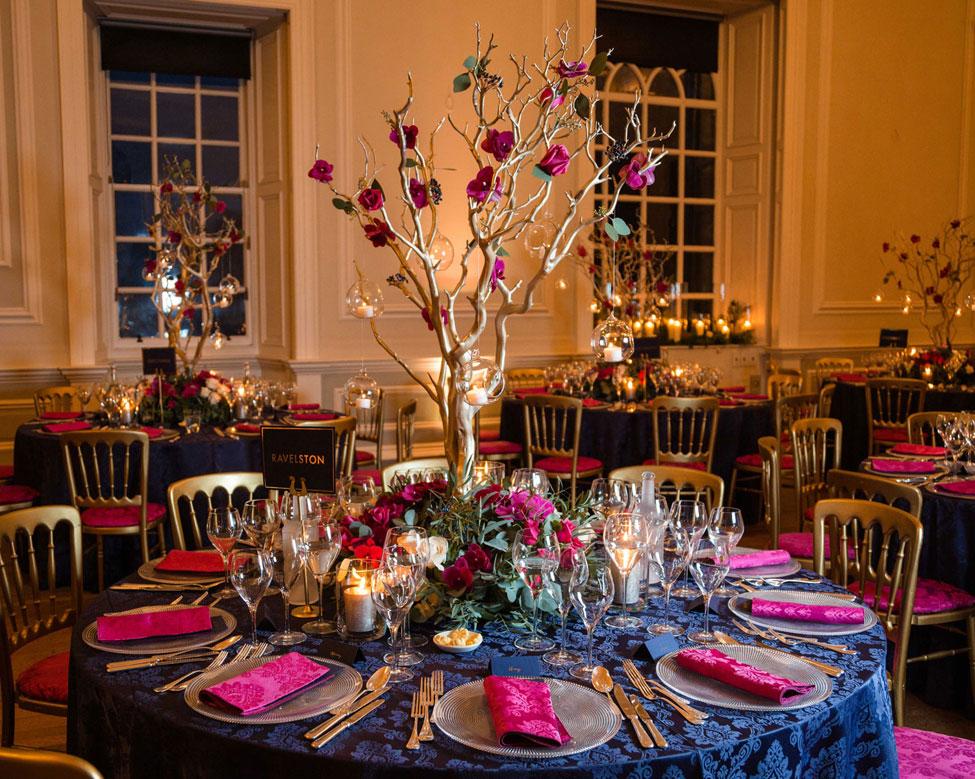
[314,417]
[831,615]
[16,493]
[957,487]
[919,450]
[191,562]
[152,432]
[748,396]
[165,622]
[717,665]
[729,390]
[300,406]
[849,376]
[266,686]
[590,402]
[523,714]
[66,427]
[62,414]
[729,402]
[901,466]
[243,427]
[522,391]
[758,559]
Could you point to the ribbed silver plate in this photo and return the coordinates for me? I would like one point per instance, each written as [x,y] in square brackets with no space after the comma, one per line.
[934,488]
[148,572]
[740,605]
[780,571]
[706,690]
[337,689]
[464,715]
[223,624]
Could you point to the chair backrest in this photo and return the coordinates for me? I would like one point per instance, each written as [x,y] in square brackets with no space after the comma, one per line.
[676,482]
[922,429]
[887,542]
[405,430]
[345,435]
[369,425]
[781,384]
[56,399]
[194,491]
[826,399]
[770,451]
[792,408]
[891,401]
[552,427]
[863,486]
[524,377]
[107,468]
[816,449]
[684,429]
[44,764]
[417,469]
[835,364]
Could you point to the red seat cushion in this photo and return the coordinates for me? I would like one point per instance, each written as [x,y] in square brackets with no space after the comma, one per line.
[923,755]
[46,680]
[365,473]
[6,471]
[361,456]
[564,464]
[499,447]
[16,493]
[890,434]
[126,516]
[490,435]
[695,466]
[755,460]
[931,597]
[801,545]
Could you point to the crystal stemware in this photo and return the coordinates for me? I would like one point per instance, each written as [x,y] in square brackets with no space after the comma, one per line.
[709,567]
[355,494]
[533,480]
[223,529]
[393,594]
[691,516]
[322,540]
[409,547]
[250,572]
[261,521]
[286,553]
[725,526]
[535,559]
[573,567]
[608,497]
[625,538]
[670,552]
[590,598]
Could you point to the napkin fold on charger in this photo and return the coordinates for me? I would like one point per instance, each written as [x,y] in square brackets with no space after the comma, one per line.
[243,427]
[66,427]
[901,466]
[748,396]
[266,686]
[759,559]
[957,487]
[314,417]
[717,665]
[302,406]
[919,449]
[166,621]
[523,714]
[62,414]
[152,432]
[196,561]
[803,612]
[590,402]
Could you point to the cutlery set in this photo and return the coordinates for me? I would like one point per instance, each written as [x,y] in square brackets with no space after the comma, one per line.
[790,640]
[431,688]
[174,658]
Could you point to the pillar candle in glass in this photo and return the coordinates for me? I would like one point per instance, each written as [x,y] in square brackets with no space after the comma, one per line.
[356,613]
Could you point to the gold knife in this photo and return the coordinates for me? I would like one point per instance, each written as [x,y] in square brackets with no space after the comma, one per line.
[826,668]
[658,739]
[316,731]
[630,713]
[320,742]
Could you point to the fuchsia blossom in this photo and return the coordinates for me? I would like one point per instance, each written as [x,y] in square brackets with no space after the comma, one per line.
[234,236]
[633,173]
[477,559]
[572,69]
[174,237]
[497,273]
[458,576]
[369,550]
[479,187]
[371,199]
[556,160]
[378,233]
[549,99]
[191,390]
[425,313]
[411,132]
[197,197]
[886,246]
[581,251]
[499,143]
[414,493]
[321,171]
[166,188]
[418,194]
[915,238]
[220,207]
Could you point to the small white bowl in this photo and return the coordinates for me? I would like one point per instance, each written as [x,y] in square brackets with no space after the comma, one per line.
[456,650]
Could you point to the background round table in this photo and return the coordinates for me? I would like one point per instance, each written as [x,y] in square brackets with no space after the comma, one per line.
[126,730]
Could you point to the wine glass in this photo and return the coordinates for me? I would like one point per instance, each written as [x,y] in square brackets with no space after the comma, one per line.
[533,480]
[84,394]
[295,510]
[625,539]
[392,594]
[286,553]
[955,443]
[355,494]
[942,423]
[535,559]
[709,567]
[250,572]
[408,546]
[590,598]
[261,521]
[671,550]
[322,540]
[652,507]
[691,516]
[725,526]
[573,566]
[223,529]
[608,497]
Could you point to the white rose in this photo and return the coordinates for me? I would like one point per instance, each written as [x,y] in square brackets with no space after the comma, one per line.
[969,369]
[438,552]
[212,384]
[214,398]
[204,392]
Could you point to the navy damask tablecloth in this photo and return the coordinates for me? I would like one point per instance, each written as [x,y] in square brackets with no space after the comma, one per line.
[126,730]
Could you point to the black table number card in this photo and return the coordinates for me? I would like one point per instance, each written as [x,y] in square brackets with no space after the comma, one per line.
[161,359]
[299,458]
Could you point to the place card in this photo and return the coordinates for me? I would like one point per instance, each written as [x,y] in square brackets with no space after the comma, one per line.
[656,647]
[337,650]
[516,666]
[296,457]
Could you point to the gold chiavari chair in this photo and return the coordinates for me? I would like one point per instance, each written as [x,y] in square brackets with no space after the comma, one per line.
[44,764]
[345,437]
[508,452]
[676,482]
[369,427]
[552,427]
[889,403]
[108,475]
[56,399]
[783,383]
[826,399]
[825,367]
[816,449]
[519,378]
[417,469]
[192,492]
[864,486]
[405,430]
[922,427]
[769,450]
[883,570]
[31,609]
[684,431]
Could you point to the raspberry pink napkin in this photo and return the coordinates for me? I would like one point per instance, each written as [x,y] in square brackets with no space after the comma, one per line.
[165,622]
[849,376]
[300,406]
[152,432]
[748,396]
[901,466]
[831,615]
[919,450]
[66,427]
[729,402]
[314,417]
[245,428]
[590,402]
[717,665]
[266,686]
[191,562]
[731,389]
[758,559]
[523,714]
[957,487]
[522,391]
[16,493]
[62,414]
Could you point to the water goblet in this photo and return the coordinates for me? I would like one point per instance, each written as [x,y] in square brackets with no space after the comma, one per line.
[355,494]
[670,552]
[608,497]
[84,394]
[322,542]
[590,598]
[709,566]
[223,529]
[726,526]
[250,572]
[392,594]
[286,553]
[409,546]
[261,521]
[690,516]
[533,480]
[573,567]
[626,539]
[536,560]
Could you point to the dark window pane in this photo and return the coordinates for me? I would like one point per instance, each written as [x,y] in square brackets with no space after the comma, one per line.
[133,211]
[699,176]
[131,162]
[665,178]
[232,320]
[131,260]
[699,271]
[177,151]
[195,321]
[618,116]
[173,80]
[699,225]
[175,115]
[664,85]
[701,129]
[695,308]
[234,211]
[660,118]
[218,82]
[230,263]
[128,77]
[670,267]
[130,112]
[220,120]
[662,219]
[137,316]
[221,165]
[698,86]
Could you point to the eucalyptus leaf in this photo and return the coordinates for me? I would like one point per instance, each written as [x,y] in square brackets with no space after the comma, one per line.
[582,106]
[598,63]
[409,163]
[611,231]
[341,204]
[537,172]
[621,227]
[502,252]
[462,82]
[564,88]
[470,62]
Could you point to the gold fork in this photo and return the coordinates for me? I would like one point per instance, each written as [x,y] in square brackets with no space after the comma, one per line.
[790,640]
[414,742]
[436,684]
[692,715]
[426,694]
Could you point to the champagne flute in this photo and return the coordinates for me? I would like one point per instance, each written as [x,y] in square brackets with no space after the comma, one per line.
[572,566]
[250,572]
[608,497]
[690,516]
[625,540]
[223,529]
[322,544]
[287,562]
[408,547]
[536,558]
[295,510]
[709,567]
[725,526]
[671,550]
[261,521]
[392,594]
[942,423]
[590,598]
[355,494]
[533,480]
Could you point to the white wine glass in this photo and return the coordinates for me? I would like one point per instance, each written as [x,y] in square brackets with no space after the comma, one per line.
[726,526]
[691,517]
[322,543]
[590,598]
[286,553]
[392,594]
[535,557]
[609,497]
[573,567]
[223,529]
[626,539]
[261,521]
[356,494]
[408,547]
[709,566]
[670,552]
[533,480]
[250,572]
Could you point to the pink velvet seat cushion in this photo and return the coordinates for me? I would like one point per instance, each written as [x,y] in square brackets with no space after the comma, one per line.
[362,456]
[16,493]
[801,545]
[499,447]
[367,473]
[755,460]
[46,680]
[890,434]
[125,516]
[931,597]
[925,755]
[694,466]
[490,435]
[564,464]
[6,471]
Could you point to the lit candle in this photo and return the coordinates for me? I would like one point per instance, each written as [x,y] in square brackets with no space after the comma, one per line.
[364,311]
[725,329]
[629,389]
[625,559]
[613,354]
[927,370]
[360,612]
[477,396]
[363,401]
[637,324]
[674,330]
[699,327]
[125,411]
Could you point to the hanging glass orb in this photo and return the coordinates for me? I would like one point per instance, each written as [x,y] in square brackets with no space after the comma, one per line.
[539,237]
[364,300]
[229,285]
[164,261]
[970,302]
[612,340]
[878,295]
[907,304]
[361,391]
[441,252]
[562,284]
[216,337]
[221,300]
[149,275]
[481,381]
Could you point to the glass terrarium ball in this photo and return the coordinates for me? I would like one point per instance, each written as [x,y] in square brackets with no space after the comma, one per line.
[164,260]
[612,340]
[361,391]
[364,300]
[229,285]
[441,252]
[148,275]
[481,381]
[216,338]
[970,302]
[222,300]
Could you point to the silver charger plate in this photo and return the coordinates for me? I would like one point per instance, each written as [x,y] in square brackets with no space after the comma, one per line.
[148,572]
[289,419]
[934,488]
[740,605]
[344,683]
[905,478]
[701,688]
[780,571]
[464,715]
[223,623]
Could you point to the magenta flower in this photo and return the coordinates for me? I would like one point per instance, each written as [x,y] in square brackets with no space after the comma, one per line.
[499,144]
[371,199]
[425,313]
[220,207]
[477,559]
[166,188]
[479,189]
[572,69]
[458,576]
[556,160]
[418,194]
[497,273]
[411,132]
[174,237]
[321,171]
[549,99]
[633,173]
[378,233]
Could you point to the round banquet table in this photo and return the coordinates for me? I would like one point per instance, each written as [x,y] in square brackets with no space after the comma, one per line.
[621,438]
[118,723]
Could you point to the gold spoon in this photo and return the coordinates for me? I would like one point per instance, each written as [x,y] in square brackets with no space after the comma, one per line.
[375,682]
[602,682]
